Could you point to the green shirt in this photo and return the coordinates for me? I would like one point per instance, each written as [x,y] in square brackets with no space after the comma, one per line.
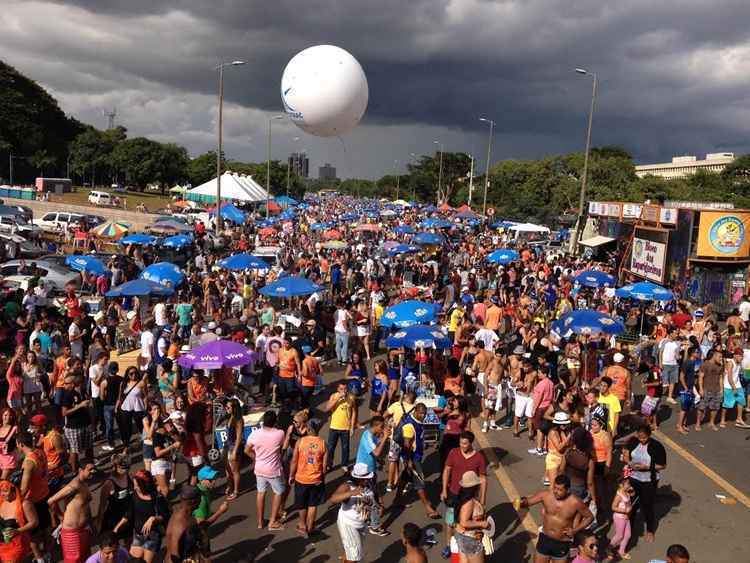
[203,512]
[184,314]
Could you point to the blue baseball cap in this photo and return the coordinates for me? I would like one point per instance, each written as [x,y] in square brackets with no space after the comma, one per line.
[207,473]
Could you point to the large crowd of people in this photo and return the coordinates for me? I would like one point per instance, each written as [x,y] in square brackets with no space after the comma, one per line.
[324,377]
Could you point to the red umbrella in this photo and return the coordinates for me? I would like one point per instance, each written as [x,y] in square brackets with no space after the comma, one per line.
[371,227]
[267,232]
[332,234]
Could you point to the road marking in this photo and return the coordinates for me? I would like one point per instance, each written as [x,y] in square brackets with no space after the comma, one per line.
[703,468]
[505,481]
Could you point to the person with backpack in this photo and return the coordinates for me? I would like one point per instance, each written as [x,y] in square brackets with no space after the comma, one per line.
[393,417]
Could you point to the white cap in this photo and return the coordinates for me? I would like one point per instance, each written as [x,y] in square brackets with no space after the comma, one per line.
[212,325]
[618,357]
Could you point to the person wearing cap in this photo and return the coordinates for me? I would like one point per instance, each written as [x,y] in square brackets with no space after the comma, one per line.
[621,380]
[207,476]
[357,500]
[181,520]
[307,474]
[471,519]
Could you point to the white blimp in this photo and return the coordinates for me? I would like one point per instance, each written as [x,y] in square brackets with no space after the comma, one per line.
[324,90]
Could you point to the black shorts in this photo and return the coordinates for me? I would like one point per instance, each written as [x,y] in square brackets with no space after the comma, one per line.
[552,548]
[42,513]
[375,404]
[306,496]
[599,467]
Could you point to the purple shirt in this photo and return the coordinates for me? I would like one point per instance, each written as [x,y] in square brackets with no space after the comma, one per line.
[267,444]
[120,557]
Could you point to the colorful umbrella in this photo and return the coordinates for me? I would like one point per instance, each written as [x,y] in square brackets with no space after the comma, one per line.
[290,286]
[81,263]
[243,261]
[595,278]
[164,273]
[408,313]
[419,336]
[110,229]
[216,355]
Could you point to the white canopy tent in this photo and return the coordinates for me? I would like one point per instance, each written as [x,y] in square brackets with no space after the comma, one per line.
[238,187]
[529,228]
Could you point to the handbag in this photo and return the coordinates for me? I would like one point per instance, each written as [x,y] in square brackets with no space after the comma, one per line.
[648,406]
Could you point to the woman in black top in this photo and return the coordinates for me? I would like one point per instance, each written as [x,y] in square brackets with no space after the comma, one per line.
[115,498]
[149,513]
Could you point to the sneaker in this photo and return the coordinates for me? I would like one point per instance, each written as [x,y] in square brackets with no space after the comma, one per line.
[379,532]
[107,448]
[541,452]
[533,451]
[388,489]
[671,401]
[446,552]
[484,427]
[494,426]
[545,482]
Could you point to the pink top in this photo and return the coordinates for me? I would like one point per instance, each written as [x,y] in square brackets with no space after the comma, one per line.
[543,393]
[267,444]
[15,382]
[582,559]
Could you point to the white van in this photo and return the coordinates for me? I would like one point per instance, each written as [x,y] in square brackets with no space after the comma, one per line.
[100,198]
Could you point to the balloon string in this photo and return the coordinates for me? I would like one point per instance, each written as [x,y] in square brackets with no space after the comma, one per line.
[347,156]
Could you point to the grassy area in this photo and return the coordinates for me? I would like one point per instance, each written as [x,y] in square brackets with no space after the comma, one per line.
[152,201]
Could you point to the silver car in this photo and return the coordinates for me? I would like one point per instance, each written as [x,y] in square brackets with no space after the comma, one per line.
[54,276]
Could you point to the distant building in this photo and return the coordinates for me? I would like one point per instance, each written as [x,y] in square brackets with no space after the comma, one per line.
[299,164]
[327,172]
[683,166]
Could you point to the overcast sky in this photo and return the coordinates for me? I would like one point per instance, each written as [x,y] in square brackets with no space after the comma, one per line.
[673,73]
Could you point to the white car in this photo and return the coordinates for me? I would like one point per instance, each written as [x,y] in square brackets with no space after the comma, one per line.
[191,215]
[54,276]
[57,221]
[17,225]
[100,198]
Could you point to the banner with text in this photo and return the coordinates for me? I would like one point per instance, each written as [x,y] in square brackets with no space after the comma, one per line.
[648,259]
[723,234]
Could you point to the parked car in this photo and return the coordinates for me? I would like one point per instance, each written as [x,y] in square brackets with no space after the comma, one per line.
[269,254]
[92,221]
[16,224]
[191,214]
[57,221]
[100,198]
[23,248]
[55,276]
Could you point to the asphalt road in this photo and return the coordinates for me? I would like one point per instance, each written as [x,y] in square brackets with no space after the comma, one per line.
[688,510]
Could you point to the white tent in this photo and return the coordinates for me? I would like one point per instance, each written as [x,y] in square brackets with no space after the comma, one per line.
[529,228]
[233,186]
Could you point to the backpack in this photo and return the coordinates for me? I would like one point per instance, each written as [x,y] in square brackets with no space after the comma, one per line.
[398,432]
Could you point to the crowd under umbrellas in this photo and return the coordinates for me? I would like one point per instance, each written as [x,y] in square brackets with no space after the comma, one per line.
[435,318]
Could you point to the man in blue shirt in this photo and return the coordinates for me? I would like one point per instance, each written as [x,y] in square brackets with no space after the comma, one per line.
[370,449]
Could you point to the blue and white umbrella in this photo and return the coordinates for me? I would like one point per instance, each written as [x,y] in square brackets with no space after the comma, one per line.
[348,217]
[645,291]
[321,226]
[404,230]
[177,241]
[408,313]
[595,278]
[502,256]
[290,286]
[428,238]
[435,223]
[243,261]
[82,263]
[164,273]
[404,249]
[585,321]
[231,213]
[138,239]
[419,336]
[139,288]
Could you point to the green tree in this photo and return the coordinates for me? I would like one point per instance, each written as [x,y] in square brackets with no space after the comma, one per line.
[145,161]
[42,159]
[202,168]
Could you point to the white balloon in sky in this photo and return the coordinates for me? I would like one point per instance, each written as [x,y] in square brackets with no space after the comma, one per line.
[324,90]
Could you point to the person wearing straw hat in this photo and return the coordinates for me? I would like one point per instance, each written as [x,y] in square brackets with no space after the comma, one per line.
[558,439]
[471,520]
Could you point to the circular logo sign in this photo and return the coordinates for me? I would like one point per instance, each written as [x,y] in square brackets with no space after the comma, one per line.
[727,234]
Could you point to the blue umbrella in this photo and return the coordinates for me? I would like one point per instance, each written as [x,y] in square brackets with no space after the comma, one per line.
[404,249]
[587,321]
[177,241]
[164,273]
[243,261]
[82,263]
[595,278]
[435,223]
[428,238]
[285,201]
[429,208]
[138,288]
[266,222]
[645,291]
[170,224]
[501,225]
[138,239]
[321,226]
[348,217]
[230,212]
[290,286]
[502,256]
[408,313]
[404,230]
[419,336]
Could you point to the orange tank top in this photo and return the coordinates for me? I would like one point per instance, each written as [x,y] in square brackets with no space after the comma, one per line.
[38,488]
[600,447]
[311,452]
[53,457]
[287,363]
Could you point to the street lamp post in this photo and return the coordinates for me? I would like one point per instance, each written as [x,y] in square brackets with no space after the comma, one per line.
[440,172]
[584,179]
[268,163]
[413,184]
[398,177]
[487,169]
[218,151]
[288,167]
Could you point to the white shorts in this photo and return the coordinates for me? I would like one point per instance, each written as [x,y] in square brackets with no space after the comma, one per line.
[493,397]
[160,467]
[481,384]
[363,331]
[524,406]
[352,539]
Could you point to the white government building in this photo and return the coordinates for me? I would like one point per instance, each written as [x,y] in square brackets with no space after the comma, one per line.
[682,166]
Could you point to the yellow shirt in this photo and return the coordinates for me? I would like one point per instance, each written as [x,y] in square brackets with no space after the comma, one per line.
[613,404]
[456,317]
[341,416]
[397,412]
[378,312]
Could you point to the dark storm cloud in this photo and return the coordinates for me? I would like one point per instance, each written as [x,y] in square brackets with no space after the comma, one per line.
[671,72]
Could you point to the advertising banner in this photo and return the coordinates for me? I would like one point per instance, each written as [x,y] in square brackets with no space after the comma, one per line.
[723,234]
[648,259]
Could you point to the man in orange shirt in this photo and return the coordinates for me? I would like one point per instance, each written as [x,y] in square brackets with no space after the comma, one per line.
[310,372]
[306,472]
[290,369]
[621,380]
[494,314]
[57,379]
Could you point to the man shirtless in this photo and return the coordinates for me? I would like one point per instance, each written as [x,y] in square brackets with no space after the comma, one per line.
[182,518]
[564,516]
[75,533]
[493,393]
[479,368]
[524,382]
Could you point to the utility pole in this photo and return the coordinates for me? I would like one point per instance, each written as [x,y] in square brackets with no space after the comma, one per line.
[471,180]
[440,173]
[487,171]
